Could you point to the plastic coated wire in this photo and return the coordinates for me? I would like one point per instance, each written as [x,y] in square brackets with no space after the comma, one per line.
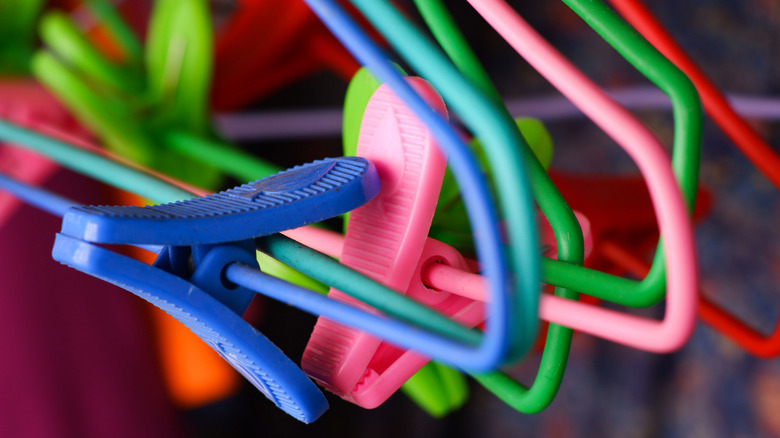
[677,325]
[88,163]
[715,104]
[515,318]
[42,199]
[752,145]
[47,201]
[685,156]
[317,304]
[446,32]
[564,224]
[362,287]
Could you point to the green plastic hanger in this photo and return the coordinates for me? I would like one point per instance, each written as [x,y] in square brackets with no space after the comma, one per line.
[152,106]
[686,155]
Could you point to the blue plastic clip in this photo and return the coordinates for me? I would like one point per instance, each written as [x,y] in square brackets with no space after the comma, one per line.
[187,278]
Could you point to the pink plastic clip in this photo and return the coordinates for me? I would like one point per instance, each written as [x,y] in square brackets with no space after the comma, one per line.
[387,240]
[27,103]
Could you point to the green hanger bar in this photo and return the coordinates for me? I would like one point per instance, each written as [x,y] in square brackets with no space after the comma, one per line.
[686,155]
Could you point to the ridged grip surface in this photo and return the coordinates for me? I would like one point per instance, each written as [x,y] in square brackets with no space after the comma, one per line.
[290,199]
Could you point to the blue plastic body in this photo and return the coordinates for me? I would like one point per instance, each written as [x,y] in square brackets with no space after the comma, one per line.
[300,196]
[246,349]
[202,237]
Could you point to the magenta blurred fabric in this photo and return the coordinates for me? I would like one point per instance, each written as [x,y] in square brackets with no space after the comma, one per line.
[78,358]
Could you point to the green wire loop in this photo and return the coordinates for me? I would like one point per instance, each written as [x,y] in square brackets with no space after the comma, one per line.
[686,156]
[564,223]
[446,32]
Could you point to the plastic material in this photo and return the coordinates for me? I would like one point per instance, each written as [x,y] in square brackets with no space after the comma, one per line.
[512,296]
[26,102]
[297,197]
[188,281]
[386,239]
[246,349]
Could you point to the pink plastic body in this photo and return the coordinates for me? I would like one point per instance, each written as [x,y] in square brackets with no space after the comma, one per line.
[25,102]
[387,239]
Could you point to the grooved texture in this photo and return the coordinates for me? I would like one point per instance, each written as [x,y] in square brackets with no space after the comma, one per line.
[283,188]
[231,353]
[385,237]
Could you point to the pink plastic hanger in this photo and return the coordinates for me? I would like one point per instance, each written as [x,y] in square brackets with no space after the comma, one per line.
[670,333]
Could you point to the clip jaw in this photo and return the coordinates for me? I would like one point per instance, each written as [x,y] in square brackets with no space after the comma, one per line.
[202,237]
[387,240]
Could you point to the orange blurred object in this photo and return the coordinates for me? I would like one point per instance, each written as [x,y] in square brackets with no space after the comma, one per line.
[195,375]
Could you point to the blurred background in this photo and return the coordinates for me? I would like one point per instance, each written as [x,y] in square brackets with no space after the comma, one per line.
[79,356]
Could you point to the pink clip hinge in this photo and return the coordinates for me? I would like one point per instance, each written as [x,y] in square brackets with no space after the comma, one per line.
[387,239]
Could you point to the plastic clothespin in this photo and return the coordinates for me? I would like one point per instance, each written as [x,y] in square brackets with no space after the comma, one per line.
[436,388]
[387,240]
[201,237]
